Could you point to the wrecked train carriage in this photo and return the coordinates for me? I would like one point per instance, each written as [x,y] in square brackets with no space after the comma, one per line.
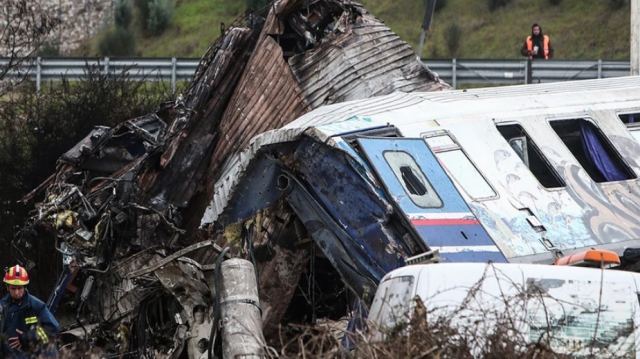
[515,174]
[125,203]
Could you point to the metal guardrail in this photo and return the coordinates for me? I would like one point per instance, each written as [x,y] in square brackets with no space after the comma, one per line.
[511,72]
[454,71]
[150,69]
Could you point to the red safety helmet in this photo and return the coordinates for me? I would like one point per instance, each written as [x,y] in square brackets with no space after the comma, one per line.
[16,275]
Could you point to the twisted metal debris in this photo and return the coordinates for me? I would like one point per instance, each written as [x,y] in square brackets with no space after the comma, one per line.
[125,203]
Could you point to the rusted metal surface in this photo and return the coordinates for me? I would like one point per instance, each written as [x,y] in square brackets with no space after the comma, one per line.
[310,55]
[366,59]
[267,97]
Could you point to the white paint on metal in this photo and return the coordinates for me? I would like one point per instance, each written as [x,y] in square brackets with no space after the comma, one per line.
[470,118]
[441,215]
[635,37]
[460,249]
[574,304]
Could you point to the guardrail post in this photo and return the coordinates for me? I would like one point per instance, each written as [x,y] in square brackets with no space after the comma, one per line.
[528,71]
[599,68]
[454,73]
[173,75]
[106,66]
[38,73]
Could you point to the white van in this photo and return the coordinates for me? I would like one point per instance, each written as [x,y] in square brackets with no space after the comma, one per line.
[582,311]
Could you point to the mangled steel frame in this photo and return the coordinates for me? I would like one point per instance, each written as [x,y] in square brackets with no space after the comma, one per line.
[126,203]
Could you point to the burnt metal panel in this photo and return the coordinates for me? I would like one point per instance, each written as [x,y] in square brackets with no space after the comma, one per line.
[259,190]
[192,135]
[355,213]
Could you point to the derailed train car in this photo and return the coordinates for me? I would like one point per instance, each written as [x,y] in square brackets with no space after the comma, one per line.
[516,174]
[524,174]
[326,205]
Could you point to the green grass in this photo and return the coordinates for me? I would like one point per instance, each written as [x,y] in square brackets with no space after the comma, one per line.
[579,29]
[195,25]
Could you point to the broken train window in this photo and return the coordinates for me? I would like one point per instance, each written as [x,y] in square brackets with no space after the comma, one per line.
[632,121]
[413,180]
[459,167]
[531,155]
[592,150]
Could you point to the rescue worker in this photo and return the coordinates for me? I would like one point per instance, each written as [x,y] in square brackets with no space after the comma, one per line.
[537,45]
[27,323]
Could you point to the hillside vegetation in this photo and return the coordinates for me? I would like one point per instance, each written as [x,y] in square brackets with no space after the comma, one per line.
[195,24]
[579,29]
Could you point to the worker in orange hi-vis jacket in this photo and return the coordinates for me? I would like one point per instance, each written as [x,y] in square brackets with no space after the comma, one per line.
[537,45]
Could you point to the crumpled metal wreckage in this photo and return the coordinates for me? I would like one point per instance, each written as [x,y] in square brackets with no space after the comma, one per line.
[125,205]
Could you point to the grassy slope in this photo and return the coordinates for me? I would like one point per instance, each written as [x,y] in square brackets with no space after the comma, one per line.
[579,29]
[195,24]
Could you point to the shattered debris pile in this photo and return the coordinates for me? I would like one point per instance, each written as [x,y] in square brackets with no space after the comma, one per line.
[126,203]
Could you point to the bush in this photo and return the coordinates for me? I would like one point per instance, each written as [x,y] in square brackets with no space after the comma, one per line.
[256,4]
[117,42]
[554,2]
[495,4]
[49,49]
[452,36]
[617,4]
[35,129]
[122,14]
[417,337]
[155,15]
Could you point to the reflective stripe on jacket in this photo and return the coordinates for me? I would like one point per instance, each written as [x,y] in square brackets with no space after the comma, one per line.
[31,316]
[545,45]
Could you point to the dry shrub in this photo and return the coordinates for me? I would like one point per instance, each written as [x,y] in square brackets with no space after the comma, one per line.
[418,338]
[475,328]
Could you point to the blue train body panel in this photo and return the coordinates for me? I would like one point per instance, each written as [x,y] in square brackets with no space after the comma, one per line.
[410,172]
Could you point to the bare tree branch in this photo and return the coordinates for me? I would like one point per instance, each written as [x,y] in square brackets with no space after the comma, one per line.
[25,26]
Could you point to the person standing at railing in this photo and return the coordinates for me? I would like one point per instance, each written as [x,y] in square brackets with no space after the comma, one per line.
[537,45]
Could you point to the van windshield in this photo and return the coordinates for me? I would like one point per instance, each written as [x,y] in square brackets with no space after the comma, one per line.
[390,308]
[579,322]
[573,311]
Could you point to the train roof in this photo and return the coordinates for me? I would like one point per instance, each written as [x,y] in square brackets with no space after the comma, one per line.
[415,113]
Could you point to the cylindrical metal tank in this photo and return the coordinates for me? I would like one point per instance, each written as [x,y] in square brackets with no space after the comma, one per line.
[240,311]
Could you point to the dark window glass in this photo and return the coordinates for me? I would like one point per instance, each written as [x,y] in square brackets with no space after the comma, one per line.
[632,121]
[412,179]
[630,118]
[412,182]
[592,149]
[531,155]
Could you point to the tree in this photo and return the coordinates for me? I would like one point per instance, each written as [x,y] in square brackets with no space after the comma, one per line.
[24,27]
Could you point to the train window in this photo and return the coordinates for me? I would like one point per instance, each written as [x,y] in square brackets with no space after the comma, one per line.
[592,149]
[531,155]
[413,180]
[632,121]
[463,171]
[459,167]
